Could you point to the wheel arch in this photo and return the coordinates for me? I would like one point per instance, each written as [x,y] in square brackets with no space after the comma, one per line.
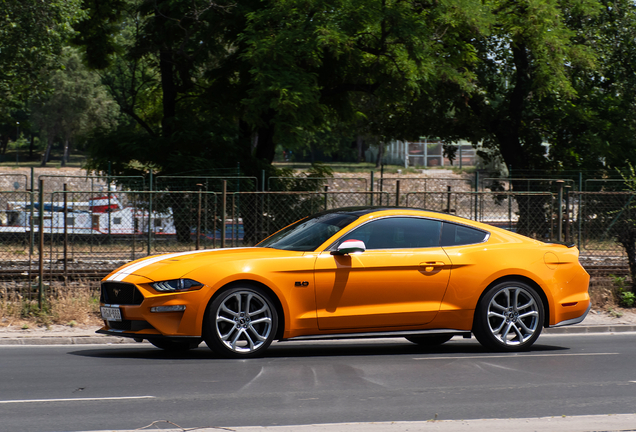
[277,303]
[531,283]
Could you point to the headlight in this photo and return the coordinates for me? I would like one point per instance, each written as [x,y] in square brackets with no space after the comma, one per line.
[176,285]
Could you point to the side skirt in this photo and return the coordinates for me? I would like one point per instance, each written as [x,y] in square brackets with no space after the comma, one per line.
[464,333]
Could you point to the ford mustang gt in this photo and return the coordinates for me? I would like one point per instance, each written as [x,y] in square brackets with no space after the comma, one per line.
[352,272]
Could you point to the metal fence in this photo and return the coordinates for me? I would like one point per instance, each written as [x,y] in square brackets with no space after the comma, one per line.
[596,218]
[47,236]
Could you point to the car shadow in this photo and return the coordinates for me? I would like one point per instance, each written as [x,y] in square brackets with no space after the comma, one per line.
[306,349]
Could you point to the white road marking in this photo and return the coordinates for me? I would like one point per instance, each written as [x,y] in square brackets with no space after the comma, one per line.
[75,399]
[516,356]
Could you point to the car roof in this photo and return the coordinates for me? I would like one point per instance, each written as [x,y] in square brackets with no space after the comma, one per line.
[365,210]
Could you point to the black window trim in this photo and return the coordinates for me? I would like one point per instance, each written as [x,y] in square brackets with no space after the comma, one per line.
[333,247]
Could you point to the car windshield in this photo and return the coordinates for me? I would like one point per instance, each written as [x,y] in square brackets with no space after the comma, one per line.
[307,234]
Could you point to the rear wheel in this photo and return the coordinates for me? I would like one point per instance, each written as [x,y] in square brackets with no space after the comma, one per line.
[175,346]
[241,322]
[509,317]
[430,340]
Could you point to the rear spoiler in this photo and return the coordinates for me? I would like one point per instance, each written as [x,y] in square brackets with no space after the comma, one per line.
[569,245]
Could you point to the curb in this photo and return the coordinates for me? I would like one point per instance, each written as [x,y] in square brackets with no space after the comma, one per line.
[65,340]
[621,328]
[110,340]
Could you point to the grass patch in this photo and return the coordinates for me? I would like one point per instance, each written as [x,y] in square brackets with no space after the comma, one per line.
[76,304]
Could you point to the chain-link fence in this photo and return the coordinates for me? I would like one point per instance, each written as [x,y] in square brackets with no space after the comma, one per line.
[300,183]
[596,219]
[255,216]
[88,233]
[531,214]
[13,182]
[423,184]
[207,184]
[497,184]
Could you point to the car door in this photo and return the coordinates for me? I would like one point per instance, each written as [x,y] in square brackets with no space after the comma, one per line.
[399,280]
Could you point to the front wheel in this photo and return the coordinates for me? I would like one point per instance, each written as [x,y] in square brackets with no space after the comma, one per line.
[509,317]
[241,322]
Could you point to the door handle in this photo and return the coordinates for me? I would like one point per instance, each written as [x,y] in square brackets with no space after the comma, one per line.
[430,265]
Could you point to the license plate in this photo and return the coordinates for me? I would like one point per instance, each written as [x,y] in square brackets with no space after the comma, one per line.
[111,313]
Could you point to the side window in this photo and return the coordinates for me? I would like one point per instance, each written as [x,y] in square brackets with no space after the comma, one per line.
[456,235]
[397,233]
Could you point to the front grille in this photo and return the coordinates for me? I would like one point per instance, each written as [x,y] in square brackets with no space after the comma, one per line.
[120,293]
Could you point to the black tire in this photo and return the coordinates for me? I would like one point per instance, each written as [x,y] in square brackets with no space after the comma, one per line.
[175,346]
[430,340]
[509,317]
[240,322]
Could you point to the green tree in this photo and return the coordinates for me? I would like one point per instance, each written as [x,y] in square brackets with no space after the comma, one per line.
[32,35]
[76,104]
[319,65]
[207,85]
[598,128]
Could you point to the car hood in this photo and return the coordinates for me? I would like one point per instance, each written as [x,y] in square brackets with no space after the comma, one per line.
[177,265]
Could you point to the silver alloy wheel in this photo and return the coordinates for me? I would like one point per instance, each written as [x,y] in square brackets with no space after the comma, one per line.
[513,315]
[244,321]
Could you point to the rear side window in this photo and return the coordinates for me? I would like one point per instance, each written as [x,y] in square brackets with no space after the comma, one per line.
[456,235]
[397,233]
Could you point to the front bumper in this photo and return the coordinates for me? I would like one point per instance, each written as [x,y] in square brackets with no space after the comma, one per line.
[139,336]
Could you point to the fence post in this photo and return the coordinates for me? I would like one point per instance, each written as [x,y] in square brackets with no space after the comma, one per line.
[223,212]
[150,187]
[448,199]
[382,177]
[326,189]
[41,246]
[397,193]
[234,222]
[559,210]
[567,213]
[509,203]
[372,181]
[198,242]
[578,235]
[476,193]
[32,235]
[65,235]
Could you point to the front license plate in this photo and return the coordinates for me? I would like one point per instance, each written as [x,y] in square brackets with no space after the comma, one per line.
[111,313]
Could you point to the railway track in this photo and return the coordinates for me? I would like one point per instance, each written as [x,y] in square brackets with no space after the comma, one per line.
[19,275]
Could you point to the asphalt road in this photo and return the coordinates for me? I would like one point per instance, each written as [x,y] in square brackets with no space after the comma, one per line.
[98,387]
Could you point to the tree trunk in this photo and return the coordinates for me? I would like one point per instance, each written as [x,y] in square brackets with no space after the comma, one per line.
[378,161]
[183,212]
[4,143]
[180,209]
[66,152]
[508,127]
[627,238]
[266,147]
[47,152]
[169,88]
[534,213]
[359,143]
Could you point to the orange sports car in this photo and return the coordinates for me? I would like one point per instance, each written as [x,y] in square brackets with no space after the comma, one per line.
[347,273]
